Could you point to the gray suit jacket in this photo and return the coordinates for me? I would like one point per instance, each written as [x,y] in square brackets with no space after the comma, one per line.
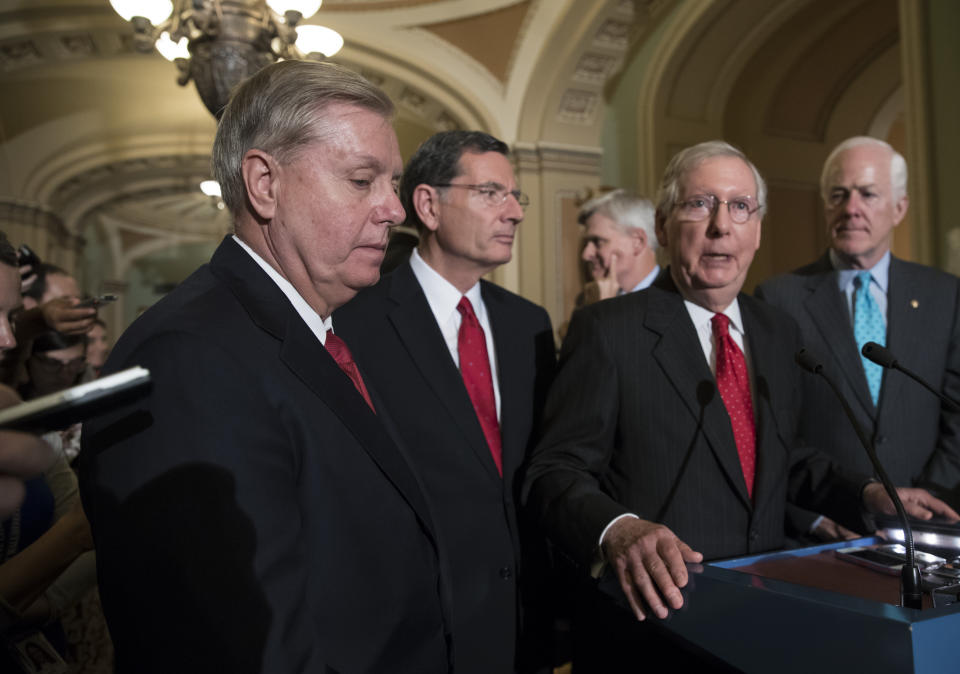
[634,423]
[916,437]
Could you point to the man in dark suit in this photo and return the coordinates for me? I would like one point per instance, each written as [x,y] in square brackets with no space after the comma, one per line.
[465,414]
[864,189]
[663,443]
[253,514]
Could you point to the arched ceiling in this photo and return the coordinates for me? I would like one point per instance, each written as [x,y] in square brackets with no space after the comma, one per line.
[87,123]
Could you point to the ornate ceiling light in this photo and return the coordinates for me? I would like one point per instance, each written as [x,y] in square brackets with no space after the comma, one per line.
[218,43]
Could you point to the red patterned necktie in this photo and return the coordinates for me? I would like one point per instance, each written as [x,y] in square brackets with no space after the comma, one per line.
[475,370]
[734,385]
[338,349]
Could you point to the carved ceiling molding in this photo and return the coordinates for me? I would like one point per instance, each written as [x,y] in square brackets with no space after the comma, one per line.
[603,56]
[35,216]
[536,157]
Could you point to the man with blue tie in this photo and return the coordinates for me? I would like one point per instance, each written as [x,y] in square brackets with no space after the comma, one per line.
[858,292]
[670,432]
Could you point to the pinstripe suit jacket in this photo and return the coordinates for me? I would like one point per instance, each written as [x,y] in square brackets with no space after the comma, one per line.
[917,439]
[634,423]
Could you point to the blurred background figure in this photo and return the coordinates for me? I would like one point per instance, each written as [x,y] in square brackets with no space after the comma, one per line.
[50,282]
[619,245]
[56,361]
[98,346]
[47,567]
[22,456]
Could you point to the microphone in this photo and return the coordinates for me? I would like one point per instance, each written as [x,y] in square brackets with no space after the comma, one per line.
[910,592]
[882,356]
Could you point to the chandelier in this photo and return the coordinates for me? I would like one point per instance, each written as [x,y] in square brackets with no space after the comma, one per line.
[219,43]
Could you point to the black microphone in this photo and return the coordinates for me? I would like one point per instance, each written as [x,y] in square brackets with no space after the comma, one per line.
[910,593]
[881,356]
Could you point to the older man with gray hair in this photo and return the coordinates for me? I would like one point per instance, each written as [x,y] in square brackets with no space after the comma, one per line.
[254,509]
[619,244]
[858,292]
[668,433]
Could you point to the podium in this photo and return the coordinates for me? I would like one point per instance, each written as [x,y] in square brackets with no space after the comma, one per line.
[805,610]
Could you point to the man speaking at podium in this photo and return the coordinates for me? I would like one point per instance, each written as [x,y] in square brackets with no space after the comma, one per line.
[858,292]
[669,433]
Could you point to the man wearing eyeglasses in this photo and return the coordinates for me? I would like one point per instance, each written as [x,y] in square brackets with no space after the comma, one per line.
[462,367]
[858,292]
[669,433]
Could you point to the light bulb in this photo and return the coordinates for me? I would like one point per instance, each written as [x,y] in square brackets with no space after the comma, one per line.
[318,39]
[155,11]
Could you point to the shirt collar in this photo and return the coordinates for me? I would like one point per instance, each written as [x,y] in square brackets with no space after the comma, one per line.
[880,272]
[648,279]
[701,316]
[442,296]
[318,326]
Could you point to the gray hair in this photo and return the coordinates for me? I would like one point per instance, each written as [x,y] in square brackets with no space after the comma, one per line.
[628,212]
[688,159]
[280,110]
[898,165]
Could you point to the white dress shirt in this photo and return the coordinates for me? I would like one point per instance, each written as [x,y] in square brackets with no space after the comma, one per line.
[318,326]
[443,299]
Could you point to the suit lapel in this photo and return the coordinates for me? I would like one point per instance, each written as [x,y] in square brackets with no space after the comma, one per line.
[826,308]
[306,358]
[767,377]
[509,364]
[902,332]
[417,329]
[680,356]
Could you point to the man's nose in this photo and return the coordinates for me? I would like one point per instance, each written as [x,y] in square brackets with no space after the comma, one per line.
[393,211]
[720,222]
[589,252]
[512,209]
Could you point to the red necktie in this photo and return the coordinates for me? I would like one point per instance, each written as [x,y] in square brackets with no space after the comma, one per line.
[338,349]
[734,385]
[475,370]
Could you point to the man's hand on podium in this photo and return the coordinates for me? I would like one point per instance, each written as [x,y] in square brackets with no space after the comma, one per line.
[918,503]
[828,530]
[649,561]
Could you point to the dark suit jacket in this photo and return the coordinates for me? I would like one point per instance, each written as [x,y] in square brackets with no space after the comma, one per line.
[252,514]
[634,423]
[398,345]
[917,438]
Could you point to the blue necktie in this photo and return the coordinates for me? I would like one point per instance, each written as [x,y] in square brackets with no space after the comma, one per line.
[868,327]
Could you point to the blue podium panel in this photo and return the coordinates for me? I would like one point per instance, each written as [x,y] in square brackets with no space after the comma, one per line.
[739,611]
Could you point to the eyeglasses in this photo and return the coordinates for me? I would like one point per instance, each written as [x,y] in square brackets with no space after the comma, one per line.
[703,206]
[493,195]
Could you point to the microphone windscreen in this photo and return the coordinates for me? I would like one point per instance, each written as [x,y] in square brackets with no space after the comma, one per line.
[808,361]
[878,354]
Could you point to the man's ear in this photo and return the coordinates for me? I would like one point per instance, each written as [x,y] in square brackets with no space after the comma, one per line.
[660,227]
[426,202]
[900,209]
[638,238]
[261,177]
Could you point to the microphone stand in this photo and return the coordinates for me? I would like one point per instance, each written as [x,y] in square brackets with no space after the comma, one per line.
[911,595]
[884,358]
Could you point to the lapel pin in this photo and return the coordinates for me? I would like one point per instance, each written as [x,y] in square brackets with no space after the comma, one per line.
[914,304]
